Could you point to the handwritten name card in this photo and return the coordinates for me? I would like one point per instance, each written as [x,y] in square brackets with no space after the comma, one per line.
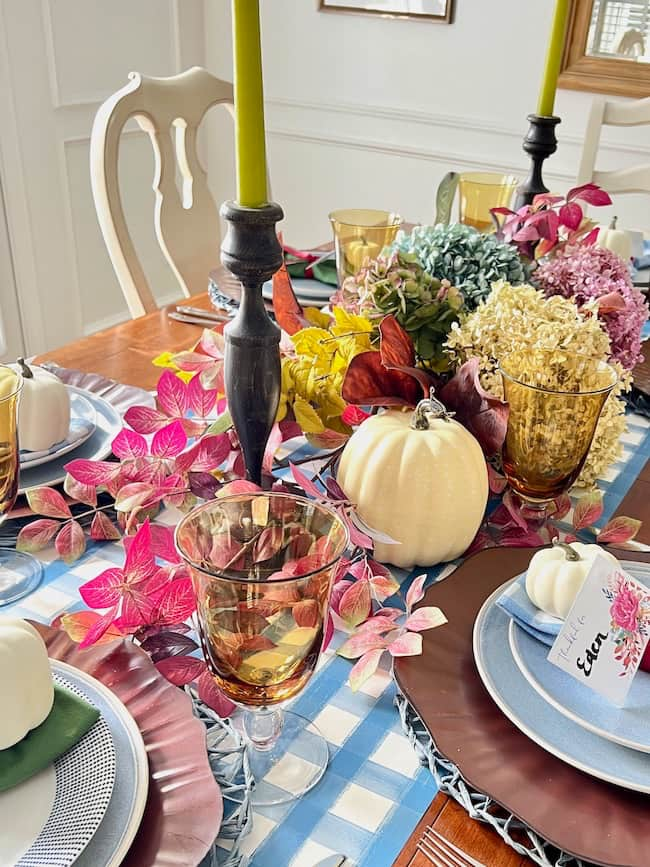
[605,632]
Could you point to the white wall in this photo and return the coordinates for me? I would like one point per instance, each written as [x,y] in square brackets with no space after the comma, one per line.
[369,112]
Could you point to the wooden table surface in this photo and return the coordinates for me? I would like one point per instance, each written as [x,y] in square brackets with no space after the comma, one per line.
[124,353]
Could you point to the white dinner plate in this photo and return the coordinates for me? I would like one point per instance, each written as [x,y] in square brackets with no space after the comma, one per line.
[108,423]
[541,722]
[49,819]
[629,725]
[82,427]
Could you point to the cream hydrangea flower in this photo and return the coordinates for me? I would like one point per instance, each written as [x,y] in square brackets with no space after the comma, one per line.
[513,317]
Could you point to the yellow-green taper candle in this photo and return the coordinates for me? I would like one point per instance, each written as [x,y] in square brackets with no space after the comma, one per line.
[249,104]
[553,58]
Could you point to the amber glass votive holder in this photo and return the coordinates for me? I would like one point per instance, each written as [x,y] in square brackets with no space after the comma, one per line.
[360,234]
[478,192]
[262,567]
[555,401]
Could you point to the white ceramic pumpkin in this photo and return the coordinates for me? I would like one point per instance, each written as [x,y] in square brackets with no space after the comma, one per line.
[555,575]
[26,689]
[44,409]
[420,477]
[616,240]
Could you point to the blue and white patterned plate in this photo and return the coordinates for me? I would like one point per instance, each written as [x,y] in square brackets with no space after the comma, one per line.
[82,427]
[627,725]
[541,722]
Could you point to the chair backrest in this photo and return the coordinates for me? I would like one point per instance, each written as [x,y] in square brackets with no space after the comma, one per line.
[187,223]
[634,179]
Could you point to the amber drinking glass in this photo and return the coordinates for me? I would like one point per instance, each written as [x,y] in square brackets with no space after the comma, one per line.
[478,192]
[262,567]
[555,401]
[360,234]
[19,573]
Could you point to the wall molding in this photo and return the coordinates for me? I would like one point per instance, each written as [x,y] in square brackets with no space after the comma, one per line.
[404,116]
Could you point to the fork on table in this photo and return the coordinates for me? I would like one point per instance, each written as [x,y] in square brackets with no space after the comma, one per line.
[442,853]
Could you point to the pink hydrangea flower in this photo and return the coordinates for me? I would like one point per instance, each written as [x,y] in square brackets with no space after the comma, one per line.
[586,272]
[625,609]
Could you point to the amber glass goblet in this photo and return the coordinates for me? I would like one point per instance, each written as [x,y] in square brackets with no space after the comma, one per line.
[478,192]
[360,234]
[555,400]
[262,567]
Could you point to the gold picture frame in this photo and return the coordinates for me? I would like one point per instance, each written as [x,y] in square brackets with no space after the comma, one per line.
[392,9]
[598,74]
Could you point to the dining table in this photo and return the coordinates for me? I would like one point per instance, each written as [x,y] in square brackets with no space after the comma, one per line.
[376,801]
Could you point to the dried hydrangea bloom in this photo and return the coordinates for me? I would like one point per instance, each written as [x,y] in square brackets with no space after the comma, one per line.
[587,272]
[514,317]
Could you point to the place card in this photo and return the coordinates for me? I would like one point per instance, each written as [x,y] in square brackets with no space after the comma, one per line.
[605,632]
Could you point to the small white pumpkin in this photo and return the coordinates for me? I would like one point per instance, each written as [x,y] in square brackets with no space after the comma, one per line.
[44,409]
[555,575]
[26,689]
[616,240]
[419,477]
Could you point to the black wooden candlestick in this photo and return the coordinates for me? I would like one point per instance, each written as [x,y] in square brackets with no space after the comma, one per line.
[540,143]
[251,251]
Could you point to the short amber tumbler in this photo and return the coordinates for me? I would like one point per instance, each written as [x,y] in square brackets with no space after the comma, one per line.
[360,234]
[555,400]
[478,192]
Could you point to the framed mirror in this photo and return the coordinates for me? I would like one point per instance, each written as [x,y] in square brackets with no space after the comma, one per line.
[608,47]
[438,10]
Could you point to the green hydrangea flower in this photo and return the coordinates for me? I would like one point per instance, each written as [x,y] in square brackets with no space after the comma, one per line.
[468,260]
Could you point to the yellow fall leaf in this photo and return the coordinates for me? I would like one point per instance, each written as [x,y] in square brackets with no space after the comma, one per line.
[307,417]
[349,322]
[317,317]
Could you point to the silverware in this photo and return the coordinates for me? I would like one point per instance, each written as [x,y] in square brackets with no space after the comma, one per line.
[196,320]
[331,861]
[442,853]
[203,314]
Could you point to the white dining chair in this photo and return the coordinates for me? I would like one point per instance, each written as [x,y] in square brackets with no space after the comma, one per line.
[186,222]
[633,179]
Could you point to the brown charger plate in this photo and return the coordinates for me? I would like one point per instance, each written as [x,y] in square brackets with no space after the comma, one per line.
[587,818]
[184,804]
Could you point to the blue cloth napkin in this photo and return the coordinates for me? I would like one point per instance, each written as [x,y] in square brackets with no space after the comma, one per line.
[516,604]
[643,261]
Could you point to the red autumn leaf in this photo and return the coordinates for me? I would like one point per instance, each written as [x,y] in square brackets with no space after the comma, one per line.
[497,483]
[180,670]
[93,473]
[415,592]
[103,529]
[588,510]
[562,505]
[201,400]
[613,302]
[176,603]
[305,483]
[591,237]
[162,543]
[79,491]
[169,441]
[71,542]
[287,309]
[79,624]
[361,643]
[618,530]
[239,486]
[571,215]
[517,538]
[205,455]
[380,623]
[37,535]
[388,377]
[101,627]
[355,603]
[145,419]
[354,415]
[210,693]
[269,542]
[129,444]
[481,541]
[172,394]
[135,495]
[592,194]
[47,501]
[483,414]
[306,613]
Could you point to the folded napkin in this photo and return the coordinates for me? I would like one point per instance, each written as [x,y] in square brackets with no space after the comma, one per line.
[643,261]
[68,721]
[516,604]
[308,265]
[80,428]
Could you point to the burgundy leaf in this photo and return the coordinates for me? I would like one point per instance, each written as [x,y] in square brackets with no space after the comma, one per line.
[103,529]
[36,535]
[47,501]
[203,485]
[571,215]
[129,444]
[591,194]
[165,644]
[483,414]
[180,670]
[70,542]
[210,693]
[521,539]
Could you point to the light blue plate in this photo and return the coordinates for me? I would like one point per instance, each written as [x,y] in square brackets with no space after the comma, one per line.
[541,722]
[108,423]
[629,725]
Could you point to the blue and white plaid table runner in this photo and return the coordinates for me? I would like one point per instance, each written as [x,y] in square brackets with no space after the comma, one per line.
[374,791]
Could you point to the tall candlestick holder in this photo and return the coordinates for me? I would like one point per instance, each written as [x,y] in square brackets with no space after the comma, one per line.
[539,144]
[252,252]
